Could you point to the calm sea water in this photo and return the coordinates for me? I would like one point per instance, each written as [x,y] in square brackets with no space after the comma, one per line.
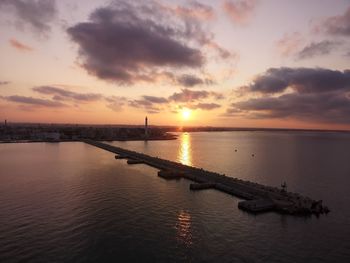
[71,202]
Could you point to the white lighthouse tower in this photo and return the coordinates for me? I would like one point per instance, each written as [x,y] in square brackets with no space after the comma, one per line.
[146,128]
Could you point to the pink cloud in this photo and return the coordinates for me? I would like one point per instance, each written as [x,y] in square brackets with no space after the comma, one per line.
[20,46]
[195,10]
[289,44]
[335,25]
[240,11]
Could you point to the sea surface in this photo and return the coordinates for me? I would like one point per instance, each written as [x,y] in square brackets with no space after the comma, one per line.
[72,202]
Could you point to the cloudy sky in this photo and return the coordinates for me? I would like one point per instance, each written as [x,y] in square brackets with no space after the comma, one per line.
[239,63]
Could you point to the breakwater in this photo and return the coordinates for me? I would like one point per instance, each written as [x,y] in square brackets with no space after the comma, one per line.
[258,198]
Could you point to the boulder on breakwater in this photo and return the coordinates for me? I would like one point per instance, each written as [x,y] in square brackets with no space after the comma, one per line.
[121,156]
[257,206]
[169,175]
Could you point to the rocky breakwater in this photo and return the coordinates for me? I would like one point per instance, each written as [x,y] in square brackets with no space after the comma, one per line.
[264,198]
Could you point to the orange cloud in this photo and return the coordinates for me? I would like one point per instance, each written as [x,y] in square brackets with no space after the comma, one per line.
[19,46]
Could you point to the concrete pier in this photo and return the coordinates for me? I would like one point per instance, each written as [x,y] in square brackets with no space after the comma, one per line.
[265,198]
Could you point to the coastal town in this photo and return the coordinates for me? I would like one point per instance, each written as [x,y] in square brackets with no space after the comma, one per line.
[19,132]
[55,132]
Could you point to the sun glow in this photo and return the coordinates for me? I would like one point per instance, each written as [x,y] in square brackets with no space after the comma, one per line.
[186,113]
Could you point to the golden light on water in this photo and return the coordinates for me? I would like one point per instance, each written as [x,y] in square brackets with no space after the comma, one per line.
[184,154]
[183,227]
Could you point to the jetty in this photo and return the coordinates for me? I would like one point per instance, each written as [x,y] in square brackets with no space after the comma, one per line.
[257,197]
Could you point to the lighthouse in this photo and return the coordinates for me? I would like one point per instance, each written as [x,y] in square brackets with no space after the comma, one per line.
[146,128]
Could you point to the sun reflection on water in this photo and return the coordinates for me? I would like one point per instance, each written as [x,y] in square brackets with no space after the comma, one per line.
[184,154]
[183,227]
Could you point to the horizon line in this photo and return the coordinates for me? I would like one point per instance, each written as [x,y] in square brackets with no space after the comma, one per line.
[233,128]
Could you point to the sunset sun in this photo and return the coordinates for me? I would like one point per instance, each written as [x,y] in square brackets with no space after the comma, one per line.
[186,114]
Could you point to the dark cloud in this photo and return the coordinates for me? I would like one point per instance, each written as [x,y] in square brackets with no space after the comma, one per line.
[36,14]
[317,49]
[4,82]
[189,98]
[319,95]
[330,107]
[63,94]
[154,99]
[140,103]
[205,106]
[19,45]
[336,25]
[232,111]
[216,95]
[146,105]
[240,11]
[33,101]
[187,95]
[128,41]
[188,80]
[193,15]
[303,80]
[116,103]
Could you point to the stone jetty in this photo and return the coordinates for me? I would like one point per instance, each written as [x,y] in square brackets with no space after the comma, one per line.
[202,186]
[259,198]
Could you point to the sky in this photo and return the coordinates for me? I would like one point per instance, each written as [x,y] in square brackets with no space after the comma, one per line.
[228,63]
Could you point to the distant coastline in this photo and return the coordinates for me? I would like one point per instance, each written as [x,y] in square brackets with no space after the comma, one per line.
[58,133]
[170,137]
[29,132]
[223,129]
[169,128]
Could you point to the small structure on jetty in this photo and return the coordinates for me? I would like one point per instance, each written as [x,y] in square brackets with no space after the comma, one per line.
[260,198]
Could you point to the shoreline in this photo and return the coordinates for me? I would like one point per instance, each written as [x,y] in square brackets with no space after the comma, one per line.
[80,140]
[172,136]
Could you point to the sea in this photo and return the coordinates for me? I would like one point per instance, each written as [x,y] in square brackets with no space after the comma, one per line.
[72,202]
